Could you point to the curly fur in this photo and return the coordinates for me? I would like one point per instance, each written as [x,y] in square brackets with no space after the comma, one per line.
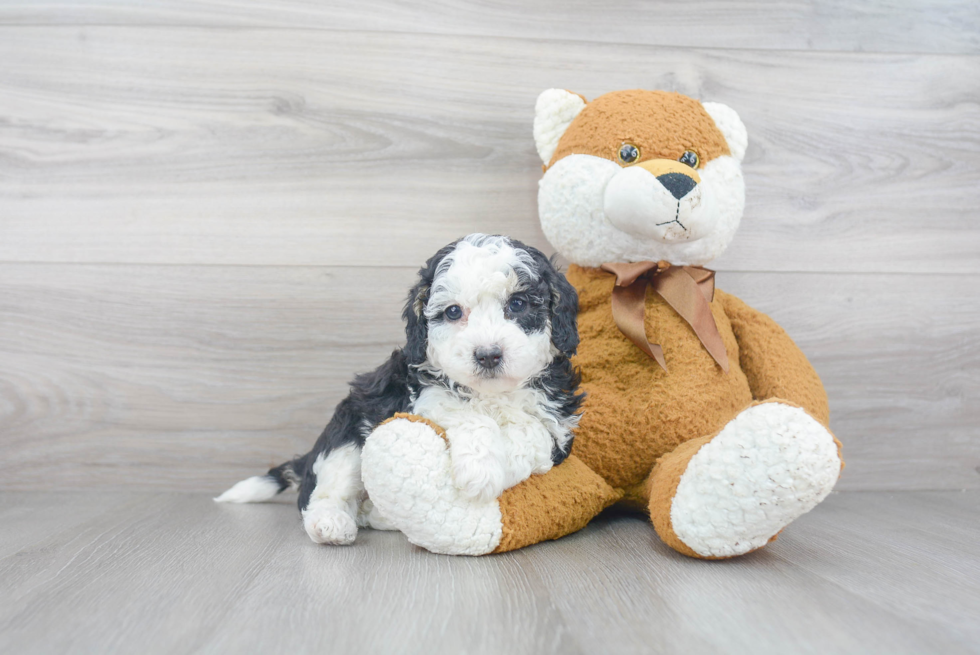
[504,423]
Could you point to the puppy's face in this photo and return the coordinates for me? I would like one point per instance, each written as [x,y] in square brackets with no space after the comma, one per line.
[489,313]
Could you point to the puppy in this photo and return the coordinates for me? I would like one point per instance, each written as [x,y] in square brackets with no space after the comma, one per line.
[490,328]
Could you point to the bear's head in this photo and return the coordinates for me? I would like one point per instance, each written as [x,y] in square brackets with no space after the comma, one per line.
[639,176]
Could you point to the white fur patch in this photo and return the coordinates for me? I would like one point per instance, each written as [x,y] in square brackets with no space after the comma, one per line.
[576,193]
[408,474]
[480,276]
[331,515]
[500,430]
[256,489]
[554,111]
[771,464]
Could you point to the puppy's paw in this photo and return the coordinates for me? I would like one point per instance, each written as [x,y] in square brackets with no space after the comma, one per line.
[477,475]
[528,451]
[329,524]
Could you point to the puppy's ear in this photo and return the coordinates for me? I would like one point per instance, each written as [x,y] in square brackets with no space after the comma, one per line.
[563,305]
[416,325]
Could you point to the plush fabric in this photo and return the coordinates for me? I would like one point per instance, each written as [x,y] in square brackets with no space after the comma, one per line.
[634,411]
[418,419]
[407,469]
[773,365]
[701,481]
[721,461]
[661,486]
[639,418]
[593,208]
[553,505]
[554,111]
[604,124]
[405,465]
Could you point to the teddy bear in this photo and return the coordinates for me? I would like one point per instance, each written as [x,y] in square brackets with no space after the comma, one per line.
[700,411]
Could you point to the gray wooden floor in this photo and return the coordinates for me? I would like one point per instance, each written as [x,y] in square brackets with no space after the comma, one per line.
[210,211]
[869,572]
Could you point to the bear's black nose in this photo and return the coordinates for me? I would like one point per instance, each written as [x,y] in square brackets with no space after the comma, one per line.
[488,357]
[678,184]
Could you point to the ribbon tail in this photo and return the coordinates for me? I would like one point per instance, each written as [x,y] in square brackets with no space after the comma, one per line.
[705,278]
[679,289]
[627,310]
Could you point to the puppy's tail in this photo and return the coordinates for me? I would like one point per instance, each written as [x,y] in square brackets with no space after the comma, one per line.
[260,488]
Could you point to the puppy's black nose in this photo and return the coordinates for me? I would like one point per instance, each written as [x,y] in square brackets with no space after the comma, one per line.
[678,184]
[488,357]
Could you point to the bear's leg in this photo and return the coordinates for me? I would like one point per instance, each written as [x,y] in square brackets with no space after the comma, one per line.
[731,493]
[407,472]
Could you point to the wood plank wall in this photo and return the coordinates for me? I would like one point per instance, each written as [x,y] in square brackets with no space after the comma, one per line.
[210,211]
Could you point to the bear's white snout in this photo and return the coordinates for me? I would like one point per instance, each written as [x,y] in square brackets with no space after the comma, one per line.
[670,207]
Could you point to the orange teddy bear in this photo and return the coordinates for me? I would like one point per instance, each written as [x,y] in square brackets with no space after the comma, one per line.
[700,410]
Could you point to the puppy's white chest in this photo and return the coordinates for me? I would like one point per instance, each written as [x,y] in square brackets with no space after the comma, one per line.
[518,409]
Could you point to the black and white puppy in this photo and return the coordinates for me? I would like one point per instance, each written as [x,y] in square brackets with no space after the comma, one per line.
[490,328]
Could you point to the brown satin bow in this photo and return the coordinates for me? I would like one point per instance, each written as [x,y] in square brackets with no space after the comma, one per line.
[687,289]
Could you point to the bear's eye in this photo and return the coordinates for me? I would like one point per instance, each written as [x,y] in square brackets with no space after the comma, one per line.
[454,312]
[628,153]
[690,158]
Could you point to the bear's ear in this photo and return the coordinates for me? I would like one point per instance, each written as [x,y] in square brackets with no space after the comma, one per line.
[553,113]
[731,127]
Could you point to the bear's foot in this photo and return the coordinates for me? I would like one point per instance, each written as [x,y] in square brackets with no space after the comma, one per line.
[732,493]
[407,472]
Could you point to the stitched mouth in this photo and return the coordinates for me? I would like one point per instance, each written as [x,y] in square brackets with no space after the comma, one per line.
[677,218]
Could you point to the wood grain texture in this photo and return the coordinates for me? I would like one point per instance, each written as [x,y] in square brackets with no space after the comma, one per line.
[945,26]
[191,377]
[29,518]
[111,375]
[864,572]
[210,212]
[303,147]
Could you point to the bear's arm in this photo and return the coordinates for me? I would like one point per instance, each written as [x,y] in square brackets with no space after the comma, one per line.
[773,364]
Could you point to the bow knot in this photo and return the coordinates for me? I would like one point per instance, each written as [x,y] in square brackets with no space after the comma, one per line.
[689,290]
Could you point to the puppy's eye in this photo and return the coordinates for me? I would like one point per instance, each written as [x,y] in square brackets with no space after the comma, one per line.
[628,153]
[690,158]
[454,312]
[517,305]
